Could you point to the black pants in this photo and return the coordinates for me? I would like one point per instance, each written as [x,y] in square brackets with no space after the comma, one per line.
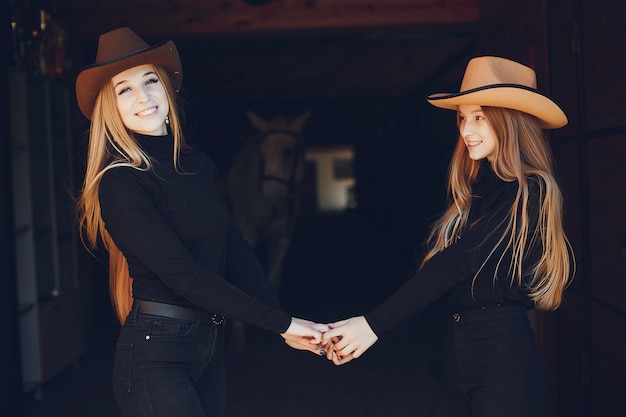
[491,366]
[167,367]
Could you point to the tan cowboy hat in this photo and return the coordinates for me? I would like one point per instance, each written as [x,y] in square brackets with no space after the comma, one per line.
[119,50]
[499,82]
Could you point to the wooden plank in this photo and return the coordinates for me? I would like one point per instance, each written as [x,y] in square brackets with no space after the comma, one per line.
[571,363]
[604,52]
[608,362]
[607,204]
[562,63]
[196,17]
[309,70]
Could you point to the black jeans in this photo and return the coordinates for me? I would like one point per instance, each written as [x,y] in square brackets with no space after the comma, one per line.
[165,367]
[491,366]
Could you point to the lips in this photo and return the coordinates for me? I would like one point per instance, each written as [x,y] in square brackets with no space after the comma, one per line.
[473,143]
[147,112]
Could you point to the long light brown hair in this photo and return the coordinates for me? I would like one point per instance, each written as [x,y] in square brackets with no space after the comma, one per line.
[522,151]
[112,145]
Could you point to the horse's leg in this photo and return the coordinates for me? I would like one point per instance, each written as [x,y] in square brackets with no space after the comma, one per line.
[277,249]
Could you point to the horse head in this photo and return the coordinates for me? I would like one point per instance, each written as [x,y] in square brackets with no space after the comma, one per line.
[281,152]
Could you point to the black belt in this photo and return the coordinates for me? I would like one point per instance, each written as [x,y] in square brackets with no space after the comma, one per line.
[176,312]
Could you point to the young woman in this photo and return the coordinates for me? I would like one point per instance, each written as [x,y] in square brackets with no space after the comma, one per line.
[178,263]
[497,251]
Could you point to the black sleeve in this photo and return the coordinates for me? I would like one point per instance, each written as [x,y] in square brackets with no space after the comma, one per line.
[243,267]
[456,263]
[245,271]
[136,227]
[440,274]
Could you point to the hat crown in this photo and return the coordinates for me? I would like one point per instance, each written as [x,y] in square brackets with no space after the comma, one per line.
[118,43]
[490,70]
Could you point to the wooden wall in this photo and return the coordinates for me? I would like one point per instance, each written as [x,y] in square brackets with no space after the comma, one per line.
[587,57]
[202,17]
[578,48]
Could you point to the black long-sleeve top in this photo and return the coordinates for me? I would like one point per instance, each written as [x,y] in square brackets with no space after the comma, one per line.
[181,243]
[458,269]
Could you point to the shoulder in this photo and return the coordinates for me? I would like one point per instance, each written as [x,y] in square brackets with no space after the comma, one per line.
[196,157]
[198,161]
[120,173]
[122,179]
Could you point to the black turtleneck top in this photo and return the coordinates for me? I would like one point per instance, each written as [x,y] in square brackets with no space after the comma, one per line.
[458,270]
[179,238]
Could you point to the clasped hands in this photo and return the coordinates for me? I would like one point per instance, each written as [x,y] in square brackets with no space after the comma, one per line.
[340,342]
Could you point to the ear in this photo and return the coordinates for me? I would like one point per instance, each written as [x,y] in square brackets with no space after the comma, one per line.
[257,121]
[299,122]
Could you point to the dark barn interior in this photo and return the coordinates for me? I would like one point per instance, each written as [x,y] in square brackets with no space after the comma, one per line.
[363,69]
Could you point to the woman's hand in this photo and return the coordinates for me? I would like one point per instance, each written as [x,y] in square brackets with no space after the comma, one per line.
[350,339]
[305,335]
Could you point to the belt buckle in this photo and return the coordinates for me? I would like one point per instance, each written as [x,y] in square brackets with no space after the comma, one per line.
[217,319]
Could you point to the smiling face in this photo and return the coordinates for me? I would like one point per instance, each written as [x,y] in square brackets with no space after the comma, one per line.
[479,137]
[141,100]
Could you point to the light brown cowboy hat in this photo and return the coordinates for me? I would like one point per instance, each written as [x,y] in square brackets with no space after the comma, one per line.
[500,82]
[119,50]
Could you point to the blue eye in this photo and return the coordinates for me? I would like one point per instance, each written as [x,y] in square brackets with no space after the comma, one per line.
[152,81]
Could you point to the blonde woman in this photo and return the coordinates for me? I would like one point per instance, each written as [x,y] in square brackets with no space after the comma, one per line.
[497,251]
[178,264]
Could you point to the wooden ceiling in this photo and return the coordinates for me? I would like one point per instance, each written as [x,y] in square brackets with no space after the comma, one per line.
[201,17]
[291,49]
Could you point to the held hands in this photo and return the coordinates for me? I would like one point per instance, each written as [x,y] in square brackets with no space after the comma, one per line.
[340,342]
[305,335]
[348,339]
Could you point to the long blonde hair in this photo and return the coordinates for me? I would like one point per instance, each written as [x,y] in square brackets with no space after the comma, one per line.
[112,145]
[521,151]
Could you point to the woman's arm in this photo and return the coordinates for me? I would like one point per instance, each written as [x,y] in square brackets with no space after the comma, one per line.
[138,229]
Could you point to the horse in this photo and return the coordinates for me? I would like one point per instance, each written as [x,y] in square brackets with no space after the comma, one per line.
[262,187]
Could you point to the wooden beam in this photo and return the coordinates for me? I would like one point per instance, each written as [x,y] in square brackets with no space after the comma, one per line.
[201,17]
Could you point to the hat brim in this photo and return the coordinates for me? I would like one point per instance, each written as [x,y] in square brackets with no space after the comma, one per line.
[511,96]
[92,78]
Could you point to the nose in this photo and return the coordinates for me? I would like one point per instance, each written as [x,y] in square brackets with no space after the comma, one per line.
[142,95]
[466,129]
